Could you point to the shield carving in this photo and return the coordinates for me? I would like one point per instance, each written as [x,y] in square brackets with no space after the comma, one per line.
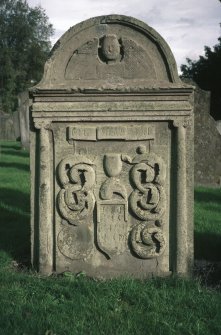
[112,227]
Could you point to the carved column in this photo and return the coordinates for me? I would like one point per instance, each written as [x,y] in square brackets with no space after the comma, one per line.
[181,199]
[45,200]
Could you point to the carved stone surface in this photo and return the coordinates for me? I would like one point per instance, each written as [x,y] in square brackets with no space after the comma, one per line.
[111,154]
[111,48]
[148,200]
[112,208]
[75,243]
[147,240]
[76,199]
[125,59]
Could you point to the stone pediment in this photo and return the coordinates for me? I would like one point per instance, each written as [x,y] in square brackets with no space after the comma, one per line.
[112,52]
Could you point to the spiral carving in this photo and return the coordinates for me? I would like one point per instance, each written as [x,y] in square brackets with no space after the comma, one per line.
[148,199]
[76,199]
[147,240]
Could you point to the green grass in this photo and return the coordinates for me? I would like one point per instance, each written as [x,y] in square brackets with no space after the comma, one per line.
[14,201]
[68,304]
[207,219]
[75,305]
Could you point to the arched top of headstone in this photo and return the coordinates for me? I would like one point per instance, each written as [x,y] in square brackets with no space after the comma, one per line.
[111,52]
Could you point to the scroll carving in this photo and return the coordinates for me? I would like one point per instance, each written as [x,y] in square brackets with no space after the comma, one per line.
[76,199]
[147,201]
[147,240]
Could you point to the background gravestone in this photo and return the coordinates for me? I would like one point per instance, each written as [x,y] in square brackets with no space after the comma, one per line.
[6,127]
[16,125]
[207,150]
[112,155]
[23,111]
[207,140]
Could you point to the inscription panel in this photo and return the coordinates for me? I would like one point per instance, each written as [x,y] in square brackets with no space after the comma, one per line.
[108,133]
[82,133]
[127,133]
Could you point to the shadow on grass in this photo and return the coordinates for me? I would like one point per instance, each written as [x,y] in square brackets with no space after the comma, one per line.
[12,148]
[207,235]
[208,195]
[16,152]
[10,145]
[19,166]
[207,246]
[15,227]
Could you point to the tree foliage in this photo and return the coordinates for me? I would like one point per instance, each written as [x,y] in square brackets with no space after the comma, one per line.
[24,47]
[206,72]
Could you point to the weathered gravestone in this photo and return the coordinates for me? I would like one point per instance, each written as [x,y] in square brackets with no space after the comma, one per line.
[6,127]
[207,144]
[207,140]
[111,152]
[23,111]
[16,125]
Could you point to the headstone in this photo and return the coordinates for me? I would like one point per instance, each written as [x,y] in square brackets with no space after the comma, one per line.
[23,111]
[16,125]
[207,140]
[6,127]
[112,155]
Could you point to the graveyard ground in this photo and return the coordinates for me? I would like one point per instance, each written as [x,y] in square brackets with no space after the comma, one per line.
[68,304]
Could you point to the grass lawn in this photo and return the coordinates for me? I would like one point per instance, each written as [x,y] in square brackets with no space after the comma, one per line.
[207,219]
[68,304]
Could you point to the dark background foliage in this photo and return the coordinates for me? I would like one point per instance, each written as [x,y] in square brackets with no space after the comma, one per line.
[24,47]
[206,72]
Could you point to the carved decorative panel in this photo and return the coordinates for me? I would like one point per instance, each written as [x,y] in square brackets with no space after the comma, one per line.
[120,196]
[111,56]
